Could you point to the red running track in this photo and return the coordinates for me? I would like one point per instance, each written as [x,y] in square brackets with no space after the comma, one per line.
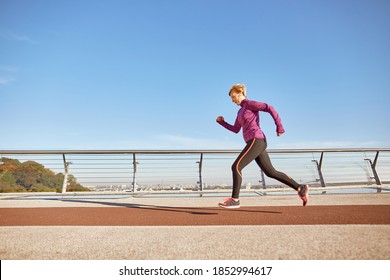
[146,215]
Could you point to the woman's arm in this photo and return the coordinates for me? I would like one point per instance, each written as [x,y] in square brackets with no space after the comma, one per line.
[233,128]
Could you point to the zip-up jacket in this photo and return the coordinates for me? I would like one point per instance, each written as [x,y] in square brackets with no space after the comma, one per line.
[249,120]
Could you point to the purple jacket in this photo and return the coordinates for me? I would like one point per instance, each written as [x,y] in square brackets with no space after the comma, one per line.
[249,120]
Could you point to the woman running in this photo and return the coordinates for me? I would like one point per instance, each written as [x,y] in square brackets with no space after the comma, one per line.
[248,119]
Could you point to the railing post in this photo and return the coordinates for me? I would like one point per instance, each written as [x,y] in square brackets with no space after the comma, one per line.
[200,172]
[373,168]
[319,167]
[263,179]
[134,171]
[65,183]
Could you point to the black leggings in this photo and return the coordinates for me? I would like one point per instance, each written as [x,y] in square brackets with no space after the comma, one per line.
[256,150]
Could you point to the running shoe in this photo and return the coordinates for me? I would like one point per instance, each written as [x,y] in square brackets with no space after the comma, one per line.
[304,194]
[230,203]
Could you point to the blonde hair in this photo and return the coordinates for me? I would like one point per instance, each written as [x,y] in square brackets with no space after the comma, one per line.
[238,88]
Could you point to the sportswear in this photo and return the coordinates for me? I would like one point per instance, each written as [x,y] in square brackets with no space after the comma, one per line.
[230,203]
[304,194]
[249,120]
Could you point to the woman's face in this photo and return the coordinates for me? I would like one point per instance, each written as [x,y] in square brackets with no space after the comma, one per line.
[236,97]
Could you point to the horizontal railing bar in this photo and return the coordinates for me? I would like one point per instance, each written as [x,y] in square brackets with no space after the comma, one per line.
[279,151]
[105,168]
[75,173]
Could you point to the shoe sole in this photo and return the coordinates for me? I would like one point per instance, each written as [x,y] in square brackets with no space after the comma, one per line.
[229,207]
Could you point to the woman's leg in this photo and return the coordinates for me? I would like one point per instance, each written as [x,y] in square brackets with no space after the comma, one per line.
[251,151]
[265,164]
[256,150]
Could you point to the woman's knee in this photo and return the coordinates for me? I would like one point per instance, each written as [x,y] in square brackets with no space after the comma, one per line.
[234,167]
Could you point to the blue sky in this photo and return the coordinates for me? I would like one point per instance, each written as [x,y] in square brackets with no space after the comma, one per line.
[155,74]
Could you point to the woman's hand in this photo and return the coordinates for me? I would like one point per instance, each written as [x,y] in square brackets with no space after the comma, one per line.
[220,119]
[279,133]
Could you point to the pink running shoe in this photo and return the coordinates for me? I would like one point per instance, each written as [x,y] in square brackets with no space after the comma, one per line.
[304,194]
[230,203]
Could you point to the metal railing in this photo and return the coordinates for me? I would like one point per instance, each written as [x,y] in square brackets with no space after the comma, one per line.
[207,169]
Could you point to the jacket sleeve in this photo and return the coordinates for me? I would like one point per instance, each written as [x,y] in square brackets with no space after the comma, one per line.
[264,107]
[233,128]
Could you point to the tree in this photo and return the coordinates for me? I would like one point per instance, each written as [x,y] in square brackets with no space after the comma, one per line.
[32,176]
[73,186]
[8,183]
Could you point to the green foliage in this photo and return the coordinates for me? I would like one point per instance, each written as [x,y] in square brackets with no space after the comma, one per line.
[34,177]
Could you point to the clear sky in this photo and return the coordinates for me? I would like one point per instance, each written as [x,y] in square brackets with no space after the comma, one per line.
[127,74]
